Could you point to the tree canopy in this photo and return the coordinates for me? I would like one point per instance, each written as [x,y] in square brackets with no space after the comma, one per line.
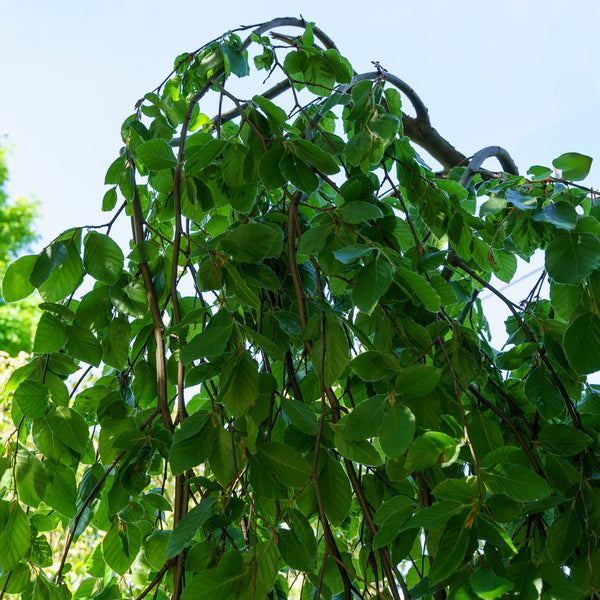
[285,386]
[17,233]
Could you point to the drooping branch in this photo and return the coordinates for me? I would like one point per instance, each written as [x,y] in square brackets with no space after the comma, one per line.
[508,164]
[157,322]
[290,22]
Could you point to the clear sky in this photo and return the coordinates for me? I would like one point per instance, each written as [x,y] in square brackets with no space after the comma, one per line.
[522,74]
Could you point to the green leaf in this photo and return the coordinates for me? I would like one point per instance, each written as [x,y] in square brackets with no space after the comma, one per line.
[358,212]
[285,462]
[390,517]
[370,283]
[319,75]
[561,214]
[50,258]
[31,478]
[563,440]
[429,449]
[358,149]
[120,546]
[228,580]
[296,171]
[518,482]
[129,296]
[397,430]
[564,536]
[192,443]
[349,254]
[61,491]
[102,257]
[336,352]
[32,398]
[456,489]
[336,491]
[417,380]
[294,553]
[271,110]
[295,62]
[15,538]
[210,342]
[364,420]
[521,199]
[236,61]
[385,127]
[394,101]
[155,549]
[583,332]
[252,242]
[574,166]
[451,550]
[268,168]
[50,335]
[300,414]
[83,345]
[487,585]
[115,344]
[156,155]
[484,434]
[433,208]
[413,282]
[186,529]
[315,156]
[109,201]
[360,451]
[372,365]
[540,389]
[70,427]
[114,171]
[314,240]
[571,257]
[239,384]
[234,157]
[65,278]
[266,566]
[16,285]
[199,157]
[539,173]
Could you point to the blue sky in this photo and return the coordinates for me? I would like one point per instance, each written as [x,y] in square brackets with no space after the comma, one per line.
[522,74]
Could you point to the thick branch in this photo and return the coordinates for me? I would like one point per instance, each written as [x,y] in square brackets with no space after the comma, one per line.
[508,164]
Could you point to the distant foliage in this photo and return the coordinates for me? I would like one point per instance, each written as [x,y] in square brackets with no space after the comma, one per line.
[295,392]
[17,233]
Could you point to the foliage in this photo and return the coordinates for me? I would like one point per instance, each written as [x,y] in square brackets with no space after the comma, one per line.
[18,319]
[298,388]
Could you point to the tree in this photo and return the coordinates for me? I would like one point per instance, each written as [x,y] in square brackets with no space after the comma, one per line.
[296,394]
[18,319]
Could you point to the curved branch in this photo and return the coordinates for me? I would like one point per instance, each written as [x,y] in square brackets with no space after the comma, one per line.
[508,164]
[290,22]
[419,106]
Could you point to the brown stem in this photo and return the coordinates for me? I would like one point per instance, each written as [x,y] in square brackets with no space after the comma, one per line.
[455,261]
[78,516]
[157,322]
[157,579]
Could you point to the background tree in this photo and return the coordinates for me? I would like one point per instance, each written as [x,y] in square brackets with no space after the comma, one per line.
[298,395]
[18,319]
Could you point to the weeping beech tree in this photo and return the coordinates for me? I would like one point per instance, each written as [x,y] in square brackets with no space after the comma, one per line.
[288,389]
